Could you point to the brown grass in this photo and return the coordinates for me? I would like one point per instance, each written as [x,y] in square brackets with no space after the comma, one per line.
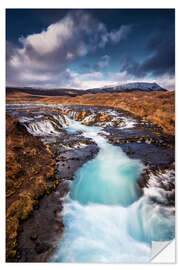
[157,107]
[28,165]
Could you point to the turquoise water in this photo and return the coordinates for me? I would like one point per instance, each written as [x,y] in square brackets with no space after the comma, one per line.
[108,179]
[106,219]
[99,233]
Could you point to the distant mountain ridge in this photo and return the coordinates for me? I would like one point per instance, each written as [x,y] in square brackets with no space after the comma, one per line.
[142,86]
[128,87]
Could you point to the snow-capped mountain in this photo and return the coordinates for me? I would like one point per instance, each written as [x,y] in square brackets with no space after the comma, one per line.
[143,86]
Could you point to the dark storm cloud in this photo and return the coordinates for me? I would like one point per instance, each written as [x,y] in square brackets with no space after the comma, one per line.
[45,56]
[161,59]
[77,47]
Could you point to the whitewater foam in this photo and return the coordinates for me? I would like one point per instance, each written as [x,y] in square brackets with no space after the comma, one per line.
[106,216]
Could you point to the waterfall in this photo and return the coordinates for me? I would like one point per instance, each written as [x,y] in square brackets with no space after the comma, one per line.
[107,217]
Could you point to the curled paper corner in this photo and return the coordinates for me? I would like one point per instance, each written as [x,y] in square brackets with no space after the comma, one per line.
[163,252]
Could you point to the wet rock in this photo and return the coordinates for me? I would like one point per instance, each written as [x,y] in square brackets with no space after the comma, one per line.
[144,142]
[74,159]
[42,247]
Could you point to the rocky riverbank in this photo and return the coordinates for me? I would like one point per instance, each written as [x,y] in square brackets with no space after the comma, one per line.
[157,107]
[41,232]
[28,165]
[140,139]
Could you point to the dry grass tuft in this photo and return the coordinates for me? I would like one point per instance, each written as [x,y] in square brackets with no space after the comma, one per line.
[157,107]
[28,165]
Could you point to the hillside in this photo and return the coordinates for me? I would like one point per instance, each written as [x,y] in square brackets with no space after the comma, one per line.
[28,165]
[129,87]
[155,106]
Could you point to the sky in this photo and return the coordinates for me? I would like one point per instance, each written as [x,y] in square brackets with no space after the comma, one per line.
[89,48]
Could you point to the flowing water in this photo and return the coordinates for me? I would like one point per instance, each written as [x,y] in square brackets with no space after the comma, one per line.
[105,215]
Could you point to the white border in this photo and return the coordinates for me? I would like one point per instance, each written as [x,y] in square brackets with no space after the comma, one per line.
[90,4]
[73,4]
[166,255]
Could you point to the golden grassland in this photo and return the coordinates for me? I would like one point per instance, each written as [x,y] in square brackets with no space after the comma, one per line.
[157,107]
[28,164]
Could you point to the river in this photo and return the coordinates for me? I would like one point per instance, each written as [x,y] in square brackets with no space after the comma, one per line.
[107,216]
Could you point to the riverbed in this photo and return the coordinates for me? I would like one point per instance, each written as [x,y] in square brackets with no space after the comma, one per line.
[119,195]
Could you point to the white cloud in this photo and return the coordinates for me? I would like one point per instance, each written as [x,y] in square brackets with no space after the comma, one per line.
[120,34]
[88,84]
[103,62]
[91,76]
[115,35]
[167,81]
[44,57]
[86,80]
[121,76]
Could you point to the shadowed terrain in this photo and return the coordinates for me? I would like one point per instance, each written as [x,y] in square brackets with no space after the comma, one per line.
[28,164]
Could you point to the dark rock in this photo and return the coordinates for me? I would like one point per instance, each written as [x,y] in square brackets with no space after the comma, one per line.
[42,247]
[47,221]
